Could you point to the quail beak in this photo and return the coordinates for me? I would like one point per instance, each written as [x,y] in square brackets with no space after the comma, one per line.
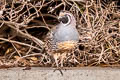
[59,19]
[60,16]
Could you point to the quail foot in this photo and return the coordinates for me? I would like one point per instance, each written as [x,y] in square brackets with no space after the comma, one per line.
[64,38]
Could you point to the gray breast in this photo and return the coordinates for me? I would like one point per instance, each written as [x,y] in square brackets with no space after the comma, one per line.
[65,33]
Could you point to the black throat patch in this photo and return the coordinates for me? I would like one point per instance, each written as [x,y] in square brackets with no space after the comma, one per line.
[64,19]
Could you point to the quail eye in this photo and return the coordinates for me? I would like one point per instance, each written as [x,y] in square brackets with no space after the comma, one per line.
[64,19]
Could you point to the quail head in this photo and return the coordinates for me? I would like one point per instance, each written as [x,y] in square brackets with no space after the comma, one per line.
[64,37]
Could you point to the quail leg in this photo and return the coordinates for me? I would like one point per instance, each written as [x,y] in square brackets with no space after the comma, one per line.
[61,62]
[56,61]
[62,59]
[56,56]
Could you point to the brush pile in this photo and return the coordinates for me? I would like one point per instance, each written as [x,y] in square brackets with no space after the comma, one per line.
[24,25]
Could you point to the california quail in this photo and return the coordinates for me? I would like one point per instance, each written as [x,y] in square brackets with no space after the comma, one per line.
[64,37]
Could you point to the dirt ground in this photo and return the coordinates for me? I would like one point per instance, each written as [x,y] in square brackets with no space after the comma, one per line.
[48,74]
